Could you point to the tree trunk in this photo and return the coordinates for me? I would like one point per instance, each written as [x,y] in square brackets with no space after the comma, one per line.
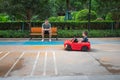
[117,25]
[68,4]
[28,14]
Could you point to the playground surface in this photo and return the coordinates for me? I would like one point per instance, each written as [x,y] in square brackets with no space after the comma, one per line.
[52,62]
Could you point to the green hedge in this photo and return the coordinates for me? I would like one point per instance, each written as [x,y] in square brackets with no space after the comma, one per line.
[14,34]
[4,17]
[108,16]
[83,15]
[92,33]
[60,25]
[61,33]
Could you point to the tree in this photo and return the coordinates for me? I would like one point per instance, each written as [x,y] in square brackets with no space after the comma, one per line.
[105,6]
[112,6]
[26,9]
[77,5]
[83,15]
[60,7]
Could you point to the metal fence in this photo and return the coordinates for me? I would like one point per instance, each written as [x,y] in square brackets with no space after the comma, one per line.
[59,25]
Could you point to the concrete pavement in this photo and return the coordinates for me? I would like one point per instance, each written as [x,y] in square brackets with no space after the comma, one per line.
[54,63]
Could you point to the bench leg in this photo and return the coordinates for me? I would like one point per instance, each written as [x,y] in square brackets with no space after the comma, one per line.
[30,38]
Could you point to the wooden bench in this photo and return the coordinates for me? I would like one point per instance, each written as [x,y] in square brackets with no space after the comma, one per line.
[37,31]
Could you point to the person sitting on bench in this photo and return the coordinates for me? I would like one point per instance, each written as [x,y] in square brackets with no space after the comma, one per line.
[46,29]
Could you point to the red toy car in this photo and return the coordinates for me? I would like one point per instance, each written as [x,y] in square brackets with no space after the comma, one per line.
[78,46]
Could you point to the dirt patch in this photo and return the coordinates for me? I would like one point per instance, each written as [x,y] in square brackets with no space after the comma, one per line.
[7,63]
[4,69]
[109,67]
[19,65]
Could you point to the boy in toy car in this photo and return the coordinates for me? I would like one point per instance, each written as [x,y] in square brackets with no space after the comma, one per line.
[84,39]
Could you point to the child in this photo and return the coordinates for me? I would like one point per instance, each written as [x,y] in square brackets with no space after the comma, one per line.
[85,38]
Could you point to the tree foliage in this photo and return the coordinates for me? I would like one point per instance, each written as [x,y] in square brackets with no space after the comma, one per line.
[83,15]
[106,6]
[26,9]
[41,9]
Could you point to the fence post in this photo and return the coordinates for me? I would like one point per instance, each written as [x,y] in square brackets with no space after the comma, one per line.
[23,26]
[112,26]
[89,15]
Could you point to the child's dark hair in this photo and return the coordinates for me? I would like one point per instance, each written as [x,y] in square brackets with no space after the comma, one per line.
[85,32]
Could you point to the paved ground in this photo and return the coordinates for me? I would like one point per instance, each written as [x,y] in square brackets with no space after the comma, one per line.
[54,63]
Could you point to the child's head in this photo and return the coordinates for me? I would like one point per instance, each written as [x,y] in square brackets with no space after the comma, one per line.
[85,33]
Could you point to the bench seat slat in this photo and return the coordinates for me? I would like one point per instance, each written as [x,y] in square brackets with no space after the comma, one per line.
[35,33]
[54,33]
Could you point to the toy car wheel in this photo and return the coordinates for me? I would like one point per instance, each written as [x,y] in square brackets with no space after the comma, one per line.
[68,47]
[84,48]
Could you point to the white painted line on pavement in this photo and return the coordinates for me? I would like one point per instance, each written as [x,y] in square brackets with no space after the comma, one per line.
[35,63]
[14,64]
[45,64]
[55,65]
[4,56]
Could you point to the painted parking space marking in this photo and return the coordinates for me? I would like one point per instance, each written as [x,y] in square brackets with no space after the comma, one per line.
[8,61]
[45,64]
[49,57]
[24,66]
[52,63]
[55,65]
[39,69]
[4,56]
[35,63]
[14,64]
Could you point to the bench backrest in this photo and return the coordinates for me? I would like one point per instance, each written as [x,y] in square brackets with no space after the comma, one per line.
[39,29]
[54,29]
[36,29]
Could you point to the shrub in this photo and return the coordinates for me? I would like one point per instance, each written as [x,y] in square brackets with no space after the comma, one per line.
[97,25]
[4,18]
[83,15]
[69,33]
[60,18]
[13,34]
[92,33]
[108,16]
[57,19]
[52,19]
[74,14]
[61,33]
